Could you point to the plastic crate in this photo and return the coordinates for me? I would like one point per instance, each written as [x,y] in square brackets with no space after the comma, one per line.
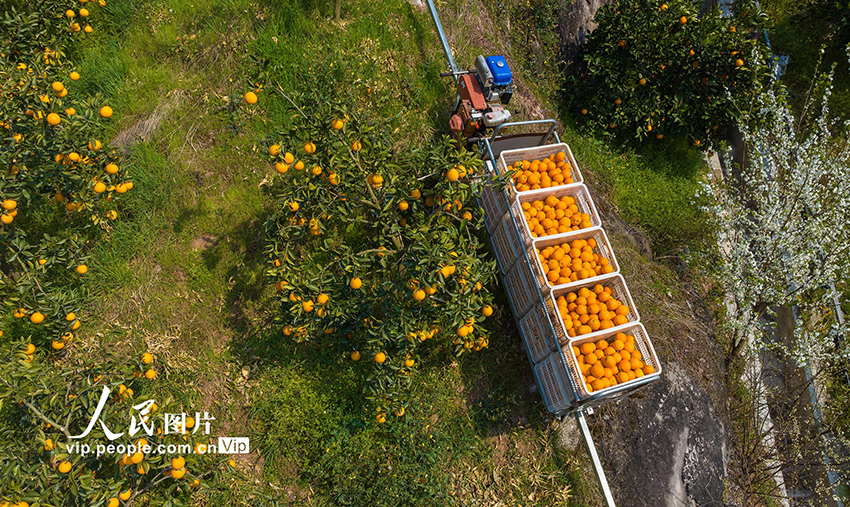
[619,291]
[537,334]
[508,157]
[554,383]
[522,288]
[506,243]
[603,248]
[579,192]
[492,201]
[642,344]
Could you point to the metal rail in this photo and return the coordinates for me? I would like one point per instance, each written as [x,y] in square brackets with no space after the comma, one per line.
[443,40]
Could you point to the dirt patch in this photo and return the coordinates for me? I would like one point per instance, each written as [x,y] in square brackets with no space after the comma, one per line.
[144,128]
[203,242]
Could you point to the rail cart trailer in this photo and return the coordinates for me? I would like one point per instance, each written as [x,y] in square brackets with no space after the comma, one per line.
[578,323]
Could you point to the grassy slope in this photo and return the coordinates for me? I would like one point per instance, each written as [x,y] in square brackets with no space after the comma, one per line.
[183,269]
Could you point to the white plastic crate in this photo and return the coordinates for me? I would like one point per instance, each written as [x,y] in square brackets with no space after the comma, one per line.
[619,290]
[642,344]
[522,288]
[579,192]
[508,157]
[554,383]
[493,203]
[603,248]
[506,243]
[537,334]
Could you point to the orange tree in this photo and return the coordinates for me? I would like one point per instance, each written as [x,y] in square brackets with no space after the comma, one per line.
[58,180]
[373,248]
[44,400]
[654,68]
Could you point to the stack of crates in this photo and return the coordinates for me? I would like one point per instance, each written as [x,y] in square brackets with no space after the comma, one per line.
[533,297]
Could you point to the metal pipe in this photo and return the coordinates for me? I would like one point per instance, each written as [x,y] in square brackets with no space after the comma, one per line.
[443,39]
[594,456]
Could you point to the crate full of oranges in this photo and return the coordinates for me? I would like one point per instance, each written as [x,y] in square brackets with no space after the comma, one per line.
[566,260]
[611,360]
[551,212]
[539,167]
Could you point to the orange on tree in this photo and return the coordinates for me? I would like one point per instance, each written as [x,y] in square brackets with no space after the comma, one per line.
[250,98]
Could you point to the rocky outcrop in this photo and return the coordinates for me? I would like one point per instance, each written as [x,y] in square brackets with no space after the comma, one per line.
[576,21]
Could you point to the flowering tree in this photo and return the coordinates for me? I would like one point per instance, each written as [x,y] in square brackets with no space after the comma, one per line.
[783,226]
[783,239]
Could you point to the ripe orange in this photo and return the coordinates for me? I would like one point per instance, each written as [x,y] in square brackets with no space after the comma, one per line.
[53,119]
[683,20]
[381,418]
[106,111]
[380,357]
[402,206]
[487,311]
[355,283]
[274,150]
[355,356]
[178,462]
[74,75]
[125,495]
[307,306]
[30,349]
[399,411]
[147,358]
[64,467]
[739,63]
[452,175]
[356,146]
[251,98]
[337,124]
[82,269]
[48,445]
[281,167]
[419,295]
[178,473]
[113,502]
[150,374]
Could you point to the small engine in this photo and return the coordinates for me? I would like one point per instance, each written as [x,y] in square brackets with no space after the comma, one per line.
[482,95]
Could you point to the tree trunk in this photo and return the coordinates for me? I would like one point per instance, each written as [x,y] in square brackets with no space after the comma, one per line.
[337,5]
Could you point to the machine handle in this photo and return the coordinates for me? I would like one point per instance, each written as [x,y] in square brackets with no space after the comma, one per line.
[458,73]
